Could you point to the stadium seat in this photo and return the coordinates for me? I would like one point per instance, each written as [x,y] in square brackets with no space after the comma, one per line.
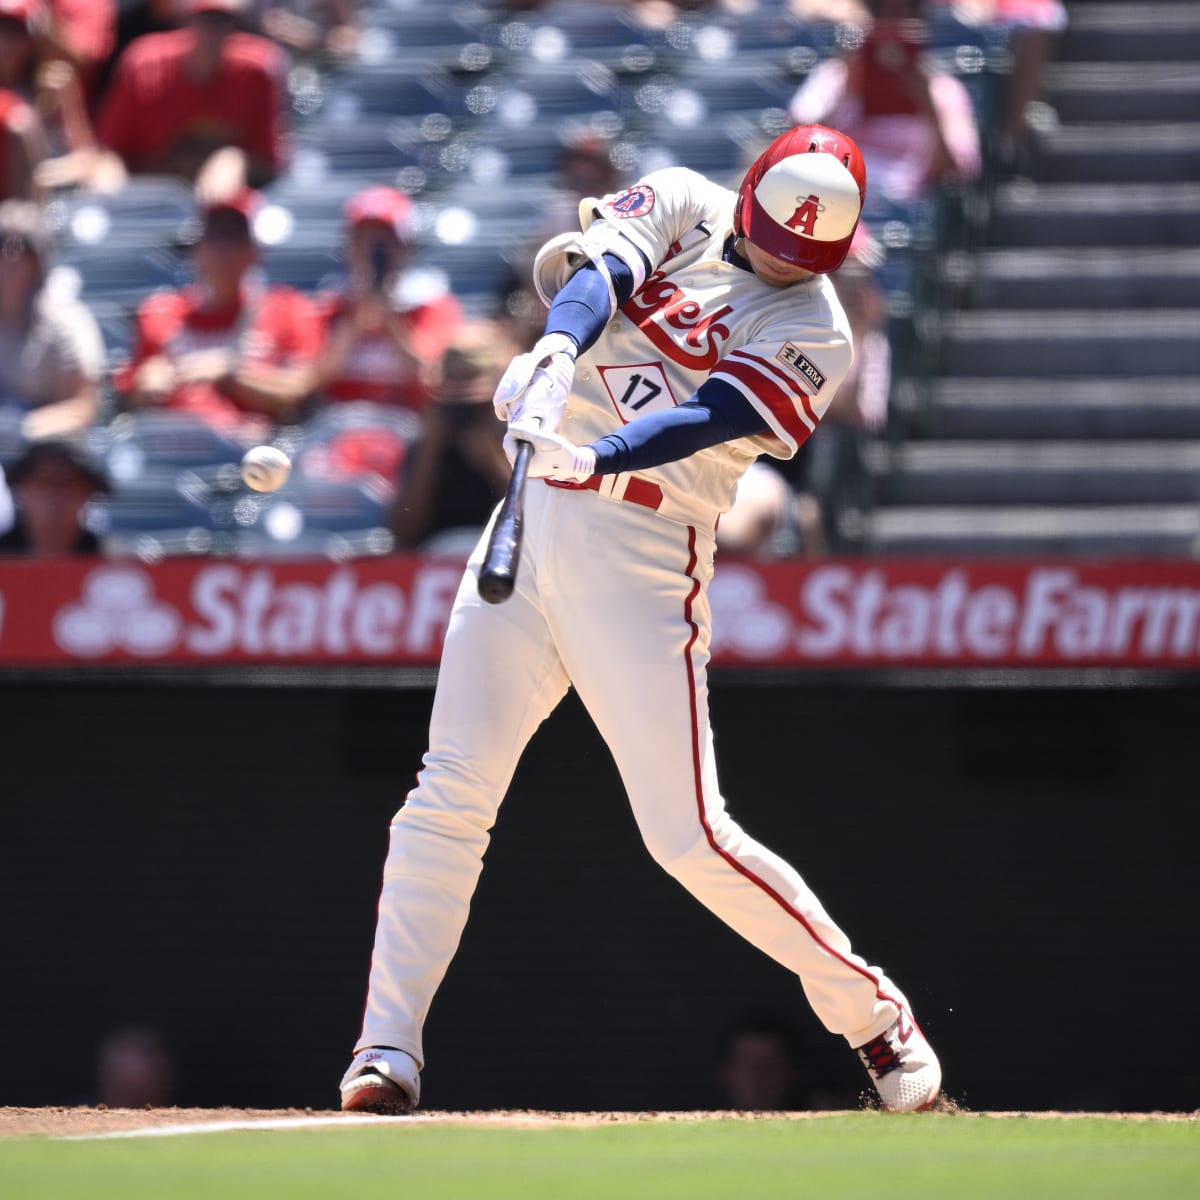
[370,145]
[115,272]
[157,444]
[391,90]
[328,518]
[12,440]
[346,441]
[148,211]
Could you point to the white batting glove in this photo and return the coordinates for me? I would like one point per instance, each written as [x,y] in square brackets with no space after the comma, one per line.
[538,383]
[553,456]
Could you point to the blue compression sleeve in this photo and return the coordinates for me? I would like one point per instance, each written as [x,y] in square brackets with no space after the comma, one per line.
[717,413]
[581,309]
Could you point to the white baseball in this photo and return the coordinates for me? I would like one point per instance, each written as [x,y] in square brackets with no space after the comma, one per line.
[266,468]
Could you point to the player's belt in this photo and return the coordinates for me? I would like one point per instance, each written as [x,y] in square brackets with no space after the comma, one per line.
[637,491]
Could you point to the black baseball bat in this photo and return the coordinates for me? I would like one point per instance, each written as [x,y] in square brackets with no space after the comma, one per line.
[498,574]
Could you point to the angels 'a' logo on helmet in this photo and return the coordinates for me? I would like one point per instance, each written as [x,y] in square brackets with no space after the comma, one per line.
[805,217]
[801,198]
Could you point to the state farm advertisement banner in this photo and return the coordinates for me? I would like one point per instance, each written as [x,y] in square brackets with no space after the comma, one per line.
[394,611]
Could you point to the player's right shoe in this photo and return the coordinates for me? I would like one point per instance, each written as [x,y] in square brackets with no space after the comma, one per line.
[381,1080]
[903,1066]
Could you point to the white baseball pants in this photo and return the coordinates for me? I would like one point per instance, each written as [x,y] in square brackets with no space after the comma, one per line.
[610,597]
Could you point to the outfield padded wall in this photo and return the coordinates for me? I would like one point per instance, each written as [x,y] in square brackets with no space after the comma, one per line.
[206,859]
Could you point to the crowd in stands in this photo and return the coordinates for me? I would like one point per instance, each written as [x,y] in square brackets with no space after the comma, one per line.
[310,222]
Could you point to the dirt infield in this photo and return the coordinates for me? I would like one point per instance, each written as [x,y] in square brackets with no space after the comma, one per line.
[97,1122]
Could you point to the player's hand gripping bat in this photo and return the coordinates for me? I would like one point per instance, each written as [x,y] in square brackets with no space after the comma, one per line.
[498,574]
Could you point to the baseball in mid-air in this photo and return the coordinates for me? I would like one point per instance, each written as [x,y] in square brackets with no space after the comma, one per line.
[265,468]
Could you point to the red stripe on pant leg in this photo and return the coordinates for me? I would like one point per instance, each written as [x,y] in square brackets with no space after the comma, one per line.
[741,868]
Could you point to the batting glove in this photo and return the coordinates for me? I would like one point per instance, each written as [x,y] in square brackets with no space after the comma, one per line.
[553,456]
[538,383]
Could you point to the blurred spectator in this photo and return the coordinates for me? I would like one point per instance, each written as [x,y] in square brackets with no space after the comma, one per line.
[585,169]
[75,39]
[312,29]
[204,102]
[833,12]
[766,1063]
[52,355]
[230,348]
[763,510]
[913,121]
[134,1069]
[134,19]
[52,483]
[389,325]
[833,470]
[82,33]
[1032,27]
[23,134]
[457,470]
[758,1064]
[814,504]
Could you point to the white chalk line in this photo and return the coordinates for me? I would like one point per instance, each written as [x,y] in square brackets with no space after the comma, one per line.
[330,1122]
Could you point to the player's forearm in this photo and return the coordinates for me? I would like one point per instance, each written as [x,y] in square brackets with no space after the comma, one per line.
[717,414]
[583,307]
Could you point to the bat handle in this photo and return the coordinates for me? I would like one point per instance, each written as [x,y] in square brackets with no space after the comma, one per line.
[498,575]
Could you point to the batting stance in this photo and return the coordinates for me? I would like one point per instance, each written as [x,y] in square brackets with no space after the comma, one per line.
[690,329]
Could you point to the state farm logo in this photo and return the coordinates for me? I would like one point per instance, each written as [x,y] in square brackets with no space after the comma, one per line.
[746,621]
[117,611]
[843,614]
[228,611]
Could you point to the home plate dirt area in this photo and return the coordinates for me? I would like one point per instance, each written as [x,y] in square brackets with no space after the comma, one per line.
[82,1122]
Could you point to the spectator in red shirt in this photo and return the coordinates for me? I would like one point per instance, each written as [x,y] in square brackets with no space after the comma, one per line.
[204,102]
[230,348]
[388,328]
[21,130]
[83,33]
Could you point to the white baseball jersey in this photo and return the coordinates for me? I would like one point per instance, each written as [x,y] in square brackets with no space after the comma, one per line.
[693,317]
[611,599]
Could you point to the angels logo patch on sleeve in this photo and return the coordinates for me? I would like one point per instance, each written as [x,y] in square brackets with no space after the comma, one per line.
[793,358]
[636,201]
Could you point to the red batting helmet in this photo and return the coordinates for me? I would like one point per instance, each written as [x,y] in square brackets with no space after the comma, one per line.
[802,197]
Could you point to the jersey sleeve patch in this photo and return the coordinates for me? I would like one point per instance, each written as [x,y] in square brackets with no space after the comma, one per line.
[802,367]
[774,392]
[636,201]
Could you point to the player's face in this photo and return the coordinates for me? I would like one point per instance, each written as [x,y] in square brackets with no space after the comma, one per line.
[772,270]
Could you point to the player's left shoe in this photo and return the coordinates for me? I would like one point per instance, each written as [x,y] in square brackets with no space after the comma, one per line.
[903,1066]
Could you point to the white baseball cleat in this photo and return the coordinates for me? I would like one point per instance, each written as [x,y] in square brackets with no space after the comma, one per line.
[381,1080]
[903,1066]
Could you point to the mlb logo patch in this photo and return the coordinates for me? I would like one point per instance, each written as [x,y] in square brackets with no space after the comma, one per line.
[633,202]
[794,360]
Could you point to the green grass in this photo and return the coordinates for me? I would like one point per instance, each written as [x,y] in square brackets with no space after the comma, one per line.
[868,1155]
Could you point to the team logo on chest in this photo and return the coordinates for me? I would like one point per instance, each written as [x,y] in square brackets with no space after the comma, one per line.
[677,325]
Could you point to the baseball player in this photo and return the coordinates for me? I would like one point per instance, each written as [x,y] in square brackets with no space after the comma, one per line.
[690,329]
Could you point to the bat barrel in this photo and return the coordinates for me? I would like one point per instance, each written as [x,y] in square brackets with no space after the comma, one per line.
[498,575]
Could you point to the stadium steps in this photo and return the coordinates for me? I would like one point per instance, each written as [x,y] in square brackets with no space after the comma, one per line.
[1132,343]
[1026,213]
[1063,415]
[1095,277]
[1068,531]
[1018,407]
[1132,32]
[1139,91]
[1042,472]
[1118,151]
